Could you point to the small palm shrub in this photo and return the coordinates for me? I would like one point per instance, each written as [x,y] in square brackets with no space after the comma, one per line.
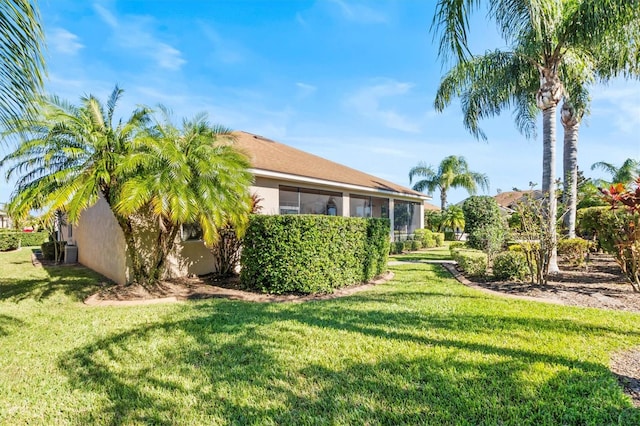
[510,265]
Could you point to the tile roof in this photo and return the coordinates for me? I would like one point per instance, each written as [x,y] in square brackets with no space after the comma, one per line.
[269,155]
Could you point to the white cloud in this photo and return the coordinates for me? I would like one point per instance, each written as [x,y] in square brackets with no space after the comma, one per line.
[135,33]
[359,12]
[619,100]
[63,41]
[367,100]
[305,90]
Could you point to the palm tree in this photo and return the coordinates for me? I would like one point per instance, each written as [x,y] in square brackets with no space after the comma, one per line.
[626,174]
[453,172]
[187,175]
[68,156]
[21,60]
[545,34]
[453,218]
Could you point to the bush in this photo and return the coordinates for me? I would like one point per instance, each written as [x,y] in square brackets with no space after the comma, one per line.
[416,245]
[49,250]
[32,239]
[472,262]
[396,247]
[449,236]
[9,241]
[574,250]
[510,265]
[312,253]
[481,212]
[406,245]
[425,236]
[490,239]
[457,245]
[439,237]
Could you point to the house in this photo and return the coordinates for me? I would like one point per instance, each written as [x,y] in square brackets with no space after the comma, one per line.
[5,220]
[287,181]
[508,200]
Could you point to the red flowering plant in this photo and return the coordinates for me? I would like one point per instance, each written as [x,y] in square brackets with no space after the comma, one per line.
[620,228]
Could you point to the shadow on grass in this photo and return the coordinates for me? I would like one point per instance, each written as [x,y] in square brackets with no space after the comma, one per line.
[8,324]
[42,282]
[251,364]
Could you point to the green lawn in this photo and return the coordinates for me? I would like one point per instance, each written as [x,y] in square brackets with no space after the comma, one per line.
[436,253]
[421,349]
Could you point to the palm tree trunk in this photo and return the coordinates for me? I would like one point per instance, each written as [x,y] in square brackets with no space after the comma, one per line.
[571,123]
[443,199]
[549,181]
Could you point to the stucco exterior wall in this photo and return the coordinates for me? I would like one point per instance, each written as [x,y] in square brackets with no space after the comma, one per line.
[101,244]
[267,190]
[190,258]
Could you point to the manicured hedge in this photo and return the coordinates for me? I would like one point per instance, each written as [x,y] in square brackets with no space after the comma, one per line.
[473,262]
[9,241]
[574,250]
[510,265]
[31,239]
[312,253]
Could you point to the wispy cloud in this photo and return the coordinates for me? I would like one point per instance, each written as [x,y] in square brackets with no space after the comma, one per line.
[305,90]
[135,33]
[367,102]
[621,102]
[226,51]
[357,12]
[63,41]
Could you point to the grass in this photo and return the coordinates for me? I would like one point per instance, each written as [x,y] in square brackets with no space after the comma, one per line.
[436,253]
[421,349]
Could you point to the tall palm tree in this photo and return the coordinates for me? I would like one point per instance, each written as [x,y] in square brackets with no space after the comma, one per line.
[187,175]
[69,155]
[626,174]
[21,60]
[453,172]
[544,34]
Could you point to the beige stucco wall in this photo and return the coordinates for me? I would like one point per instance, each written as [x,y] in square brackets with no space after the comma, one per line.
[100,241]
[190,258]
[267,190]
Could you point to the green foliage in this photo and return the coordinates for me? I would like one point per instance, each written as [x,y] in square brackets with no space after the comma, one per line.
[397,247]
[473,262]
[588,221]
[490,239]
[453,219]
[510,265]
[32,239]
[439,237]
[426,237]
[312,253]
[481,212]
[50,251]
[433,220]
[449,236]
[416,245]
[9,241]
[457,245]
[407,244]
[574,250]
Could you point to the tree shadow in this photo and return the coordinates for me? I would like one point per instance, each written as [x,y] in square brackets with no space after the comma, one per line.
[8,324]
[246,364]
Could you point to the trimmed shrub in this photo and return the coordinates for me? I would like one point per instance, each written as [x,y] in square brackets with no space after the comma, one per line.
[574,250]
[449,236]
[426,236]
[473,262]
[406,245]
[439,237]
[49,250]
[9,241]
[490,239]
[312,253]
[416,245]
[456,245]
[399,246]
[32,239]
[510,265]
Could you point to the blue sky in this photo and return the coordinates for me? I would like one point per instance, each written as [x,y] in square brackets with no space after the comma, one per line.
[352,81]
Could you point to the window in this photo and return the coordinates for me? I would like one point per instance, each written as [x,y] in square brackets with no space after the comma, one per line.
[406,216]
[360,206]
[309,201]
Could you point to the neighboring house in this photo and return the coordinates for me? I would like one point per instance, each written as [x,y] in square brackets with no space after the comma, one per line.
[288,181]
[430,207]
[5,220]
[508,200]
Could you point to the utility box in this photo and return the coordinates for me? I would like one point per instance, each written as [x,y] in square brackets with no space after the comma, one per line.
[70,254]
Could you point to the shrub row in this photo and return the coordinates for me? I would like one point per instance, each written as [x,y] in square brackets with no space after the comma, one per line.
[472,262]
[429,238]
[11,240]
[574,250]
[312,253]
